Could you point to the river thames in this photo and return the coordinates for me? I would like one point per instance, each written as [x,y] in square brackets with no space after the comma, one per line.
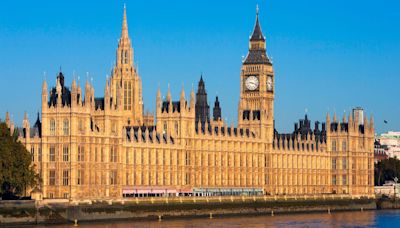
[386,218]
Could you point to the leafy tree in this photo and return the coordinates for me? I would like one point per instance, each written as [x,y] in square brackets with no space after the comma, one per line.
[16,170]
[387,170]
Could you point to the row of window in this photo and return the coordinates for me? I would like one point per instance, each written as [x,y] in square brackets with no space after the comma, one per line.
[334,146]
[65,177]
[334,163]
[65,126]
[81,154]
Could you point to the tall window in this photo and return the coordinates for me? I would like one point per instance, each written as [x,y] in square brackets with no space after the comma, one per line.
[113,154]
[333,163]
[65,177]
[176,128]
[333,146]
[52,153]
[113,177]
[344,180]
[95,154]
[80,125]
[187,158]
[165,127]
[65,153]
[81,153]
[52,127]
[52,177]
[344,146]
[127,95]
[66,127]
[333,179]
[127,156]
[113,127]
[344,163]
[126,57]
[80,177]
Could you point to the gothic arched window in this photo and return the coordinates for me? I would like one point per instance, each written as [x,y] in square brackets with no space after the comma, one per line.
[66,127]
[126,57]
[52,127]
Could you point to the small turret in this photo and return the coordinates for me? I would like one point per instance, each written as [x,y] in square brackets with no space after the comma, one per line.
[371,124]
[107,95]
[192,100]
[328,123]
[79,94]
[216,110]
[44,87]
[59,92]
[334,118]
[182,99]
[74,93]
[26,126]
[158,100]
[169,98]
[366,127]
[350,120]
[87,94]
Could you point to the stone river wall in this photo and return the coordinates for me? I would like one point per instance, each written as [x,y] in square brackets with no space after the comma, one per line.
[64,211]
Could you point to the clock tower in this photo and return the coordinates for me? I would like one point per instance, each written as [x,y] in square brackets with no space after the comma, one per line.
[256,105]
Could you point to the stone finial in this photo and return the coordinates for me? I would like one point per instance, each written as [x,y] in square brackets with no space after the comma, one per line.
[182,94]
[169,94]
[371,122]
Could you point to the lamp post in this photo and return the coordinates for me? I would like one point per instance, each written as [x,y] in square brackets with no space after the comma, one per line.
[395,183]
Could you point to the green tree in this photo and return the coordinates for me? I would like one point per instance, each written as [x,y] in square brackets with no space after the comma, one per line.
[17,173]
[387,170]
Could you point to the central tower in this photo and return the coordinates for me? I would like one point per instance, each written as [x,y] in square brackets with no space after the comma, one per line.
[126,85]
[256,105]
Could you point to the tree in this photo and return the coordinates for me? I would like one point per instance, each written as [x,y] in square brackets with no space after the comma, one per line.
[387,170]
[16,170]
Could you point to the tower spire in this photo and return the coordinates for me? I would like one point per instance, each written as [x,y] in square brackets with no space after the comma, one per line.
[257,48]
[257,33]
[124,33]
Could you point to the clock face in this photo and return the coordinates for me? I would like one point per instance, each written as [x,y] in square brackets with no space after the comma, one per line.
[269,83]
[251,83]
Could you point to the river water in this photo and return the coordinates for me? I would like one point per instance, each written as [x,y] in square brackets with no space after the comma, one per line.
[387,218]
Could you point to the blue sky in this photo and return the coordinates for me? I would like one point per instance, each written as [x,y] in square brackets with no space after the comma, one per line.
[329,56]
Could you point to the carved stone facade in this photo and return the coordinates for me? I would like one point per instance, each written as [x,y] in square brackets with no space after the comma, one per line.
[92,148]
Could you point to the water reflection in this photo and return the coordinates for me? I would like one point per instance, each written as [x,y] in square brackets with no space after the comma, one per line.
[336,219]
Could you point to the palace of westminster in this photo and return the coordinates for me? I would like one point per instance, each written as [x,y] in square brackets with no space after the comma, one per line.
[87,147]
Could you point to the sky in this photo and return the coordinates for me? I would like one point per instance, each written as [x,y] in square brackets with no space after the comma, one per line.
[328,56]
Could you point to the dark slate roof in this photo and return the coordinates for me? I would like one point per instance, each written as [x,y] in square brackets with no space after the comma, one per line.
[176,106]
[99,103]
[65,93]
[257,33]
[303,129]
[37,127]
[257,57]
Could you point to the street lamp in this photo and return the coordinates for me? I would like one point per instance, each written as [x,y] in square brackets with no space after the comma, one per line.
[395,183]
